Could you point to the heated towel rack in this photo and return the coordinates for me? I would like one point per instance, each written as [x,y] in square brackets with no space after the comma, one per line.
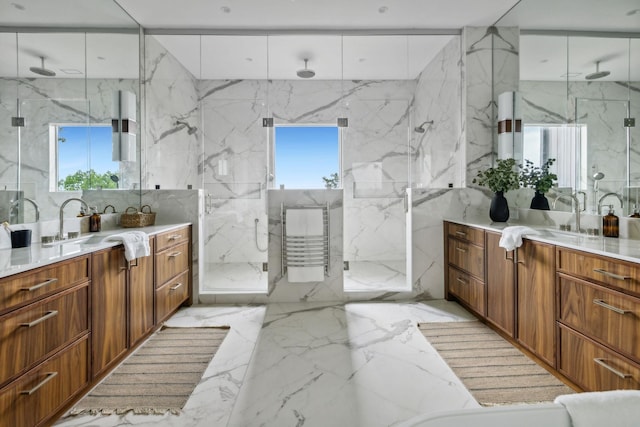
[305,251]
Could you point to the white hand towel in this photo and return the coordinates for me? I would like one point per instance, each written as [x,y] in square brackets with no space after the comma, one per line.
[512,236]
[305,222]
[305,274]
[618,408]
[136,244]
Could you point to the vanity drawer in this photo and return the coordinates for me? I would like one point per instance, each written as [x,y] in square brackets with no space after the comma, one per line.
[30,334]
[171,262]
[468,289]
[24,288]
[171,296]
[622,275]
[469,234]
[606,315]
[171,238]
[593,367]
[39,394]
[466,256]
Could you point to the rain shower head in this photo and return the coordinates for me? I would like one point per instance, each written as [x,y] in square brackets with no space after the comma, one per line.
[41,70]
[305,73]
[598,74]
[190,129]
[421,129]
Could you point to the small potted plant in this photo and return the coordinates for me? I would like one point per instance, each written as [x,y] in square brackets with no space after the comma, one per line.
[499,178]
[332,181]
[540,179]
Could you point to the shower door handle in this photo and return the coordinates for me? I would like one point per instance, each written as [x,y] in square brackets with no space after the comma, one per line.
[406,202]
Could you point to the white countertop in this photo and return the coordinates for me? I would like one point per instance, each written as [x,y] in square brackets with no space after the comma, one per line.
[619,248]
[17,260]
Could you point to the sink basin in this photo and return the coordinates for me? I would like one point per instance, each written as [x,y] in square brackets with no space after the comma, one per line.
[85,239]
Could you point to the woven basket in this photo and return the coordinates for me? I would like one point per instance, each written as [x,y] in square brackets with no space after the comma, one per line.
[137,218]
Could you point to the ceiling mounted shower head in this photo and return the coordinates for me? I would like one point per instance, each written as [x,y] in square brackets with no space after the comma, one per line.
[305,73]
[421,129]
[598,74]
[41,70]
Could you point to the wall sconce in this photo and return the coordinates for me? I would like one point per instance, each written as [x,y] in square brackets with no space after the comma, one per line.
[509,126]
[124,126]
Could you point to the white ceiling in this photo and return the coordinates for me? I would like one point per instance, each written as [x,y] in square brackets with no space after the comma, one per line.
[279,54]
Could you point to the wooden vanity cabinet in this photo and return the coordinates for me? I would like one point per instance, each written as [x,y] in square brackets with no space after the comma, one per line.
[465,270]
[172,273]
[501,289]
[536,297]
[141,297]
[44,341]
[598,320]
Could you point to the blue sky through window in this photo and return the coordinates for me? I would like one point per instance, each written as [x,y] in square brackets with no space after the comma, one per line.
[304,154]
[85,147]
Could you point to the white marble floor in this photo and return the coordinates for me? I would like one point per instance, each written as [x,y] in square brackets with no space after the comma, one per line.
[303,364]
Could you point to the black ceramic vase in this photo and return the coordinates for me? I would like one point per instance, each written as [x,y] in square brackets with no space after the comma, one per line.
[540,201]
[499,209]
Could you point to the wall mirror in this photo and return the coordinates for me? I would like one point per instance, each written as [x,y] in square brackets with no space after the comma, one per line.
[578,87]
[57,86]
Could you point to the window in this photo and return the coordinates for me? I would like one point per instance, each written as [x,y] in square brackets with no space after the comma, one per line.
[306,154]
[81,157]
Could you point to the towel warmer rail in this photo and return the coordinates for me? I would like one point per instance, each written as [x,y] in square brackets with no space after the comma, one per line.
[305,251]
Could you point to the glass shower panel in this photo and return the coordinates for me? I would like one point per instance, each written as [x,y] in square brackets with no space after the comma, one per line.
[235,173]
[604,143]
[376,202]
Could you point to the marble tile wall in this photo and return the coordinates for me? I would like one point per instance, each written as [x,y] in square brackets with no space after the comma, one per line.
[438,154]
[170,151]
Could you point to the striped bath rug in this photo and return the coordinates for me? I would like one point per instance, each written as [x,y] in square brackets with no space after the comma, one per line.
[157,378]
[492,369]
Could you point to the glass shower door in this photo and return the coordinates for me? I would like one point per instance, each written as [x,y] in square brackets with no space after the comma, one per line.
[377,206]
[235,173]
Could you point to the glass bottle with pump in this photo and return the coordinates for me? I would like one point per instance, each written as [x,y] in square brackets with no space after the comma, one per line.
[94,220]
[610,224]
[635,213]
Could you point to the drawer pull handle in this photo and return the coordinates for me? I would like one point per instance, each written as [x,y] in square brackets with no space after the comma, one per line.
[175,254]
[49,377]
[612,275]
[40,285]
[173,288]
[175,236]
[461,233]
[461,280]
[602,363]
[461,250]
[49,315]
[602,303]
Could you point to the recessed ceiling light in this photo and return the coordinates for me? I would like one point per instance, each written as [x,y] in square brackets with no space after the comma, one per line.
[70,71]
[225,9]
[248,59]
[101,58]
[571,74]
[18,6]
[362,59]
[633,12]
[383,9]
[544,61]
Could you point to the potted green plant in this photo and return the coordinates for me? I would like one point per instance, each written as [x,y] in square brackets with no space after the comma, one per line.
[332,181]
[499,178]
[540,179]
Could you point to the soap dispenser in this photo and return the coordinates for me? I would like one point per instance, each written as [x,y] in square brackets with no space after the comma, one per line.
[610,224]
[94,220]
[635,213]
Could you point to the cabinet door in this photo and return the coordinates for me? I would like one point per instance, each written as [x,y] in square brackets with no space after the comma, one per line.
[141,294]
[500,285]
[108,308]
[536,299]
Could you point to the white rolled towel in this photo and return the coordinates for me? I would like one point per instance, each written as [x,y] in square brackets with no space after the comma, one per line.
[512,236]
[617,408]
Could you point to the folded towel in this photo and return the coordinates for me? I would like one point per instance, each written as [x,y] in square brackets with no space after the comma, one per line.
[618,408]
[512,236]
[305,274]
[136,244]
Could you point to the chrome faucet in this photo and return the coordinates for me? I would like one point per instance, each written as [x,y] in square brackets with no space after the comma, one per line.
[62,206]
[609,194]
[26,199]
[576,209]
